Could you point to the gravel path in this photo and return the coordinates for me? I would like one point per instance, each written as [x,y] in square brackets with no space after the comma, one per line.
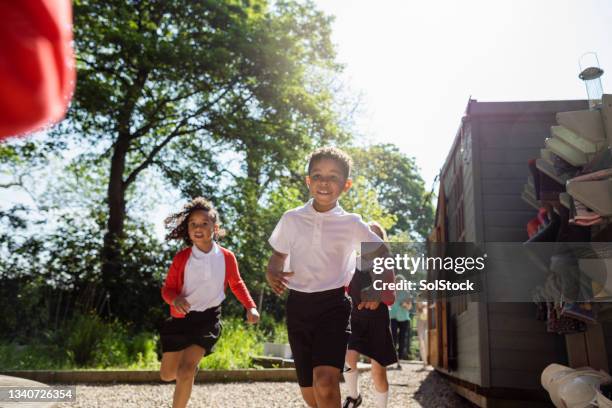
[410,387]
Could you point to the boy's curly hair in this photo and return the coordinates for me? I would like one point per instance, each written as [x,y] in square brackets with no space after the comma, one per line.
[332,153]
[177,223]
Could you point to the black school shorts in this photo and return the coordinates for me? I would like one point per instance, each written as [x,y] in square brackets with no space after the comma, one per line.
[372,338]
[319,327]
[200,328]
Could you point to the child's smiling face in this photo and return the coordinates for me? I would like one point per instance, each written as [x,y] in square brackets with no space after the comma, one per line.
[326,182]
[201,228]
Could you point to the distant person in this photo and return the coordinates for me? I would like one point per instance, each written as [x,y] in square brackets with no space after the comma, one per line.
[37,68]
[400,313]
[422,330]
[320,239]
[194,289]
[370,336]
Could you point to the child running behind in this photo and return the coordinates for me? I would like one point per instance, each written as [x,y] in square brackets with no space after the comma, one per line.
[320,239]
[194,289]
[370,336]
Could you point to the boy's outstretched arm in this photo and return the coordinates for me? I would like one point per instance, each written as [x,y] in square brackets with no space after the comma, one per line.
[277,279]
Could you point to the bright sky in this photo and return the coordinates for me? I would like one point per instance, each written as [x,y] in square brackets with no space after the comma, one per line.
[416,63]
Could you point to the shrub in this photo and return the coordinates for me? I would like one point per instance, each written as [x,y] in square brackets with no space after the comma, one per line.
[33,356]
[84,334]
[238,343]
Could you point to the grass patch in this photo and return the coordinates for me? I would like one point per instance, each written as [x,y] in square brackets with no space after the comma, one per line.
[88,342]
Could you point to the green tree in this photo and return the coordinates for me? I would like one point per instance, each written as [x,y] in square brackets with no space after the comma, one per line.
[399,187]
[176,84]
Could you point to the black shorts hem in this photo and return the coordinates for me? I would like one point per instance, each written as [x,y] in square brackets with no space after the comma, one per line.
[372,338]
[196,328]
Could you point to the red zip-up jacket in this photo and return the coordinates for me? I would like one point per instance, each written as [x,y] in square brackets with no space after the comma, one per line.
[175,278]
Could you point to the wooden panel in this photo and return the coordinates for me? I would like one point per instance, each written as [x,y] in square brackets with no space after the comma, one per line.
[520,346]
[508,218]
[518,324]
[471,375]
[596,347]
[432,347]
[510,156]
[607,332]
[517,309]
[519,341]
[509,187]
[514,128]
[504,172]
[526,360]
[576,350]
[522,379]
[505,234]
[469,339]
[480,309]
[506,202]
[508,139]
[468,346]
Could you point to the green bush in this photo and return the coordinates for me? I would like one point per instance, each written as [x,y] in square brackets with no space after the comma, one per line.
[84,334]
[33,356]
[90,342]
[112,345]
[271,330]
[238,343]
[143,347]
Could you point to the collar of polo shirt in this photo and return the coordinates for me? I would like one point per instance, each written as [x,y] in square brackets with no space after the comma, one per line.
[334,211]
[199,254]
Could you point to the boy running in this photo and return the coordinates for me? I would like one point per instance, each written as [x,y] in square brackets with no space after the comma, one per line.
[320,239]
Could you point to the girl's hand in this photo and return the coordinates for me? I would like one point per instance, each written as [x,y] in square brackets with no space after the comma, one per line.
[252,316]
[181,305]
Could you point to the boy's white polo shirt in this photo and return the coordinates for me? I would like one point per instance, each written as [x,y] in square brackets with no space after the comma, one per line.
[321,246]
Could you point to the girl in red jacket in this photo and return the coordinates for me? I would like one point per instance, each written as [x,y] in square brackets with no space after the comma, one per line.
[194,289]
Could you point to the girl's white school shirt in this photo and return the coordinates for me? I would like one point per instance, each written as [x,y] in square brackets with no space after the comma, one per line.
[204,279]
[321,246]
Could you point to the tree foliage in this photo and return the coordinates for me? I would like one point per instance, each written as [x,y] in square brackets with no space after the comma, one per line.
[174,84]
[223,99]
[399,187]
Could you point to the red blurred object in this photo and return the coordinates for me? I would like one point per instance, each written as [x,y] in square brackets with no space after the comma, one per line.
[37,68]
[534,224]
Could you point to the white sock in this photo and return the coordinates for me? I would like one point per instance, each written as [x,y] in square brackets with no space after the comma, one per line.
[381,398]
[352,381]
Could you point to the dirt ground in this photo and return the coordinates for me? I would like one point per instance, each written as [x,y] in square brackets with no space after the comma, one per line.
[412,386]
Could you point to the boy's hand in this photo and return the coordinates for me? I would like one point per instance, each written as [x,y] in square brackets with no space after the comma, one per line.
[372,305]
[181,304]
[252,316]
[369,299]
[278,280]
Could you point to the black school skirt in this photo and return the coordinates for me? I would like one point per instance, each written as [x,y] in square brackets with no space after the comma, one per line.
[200,328]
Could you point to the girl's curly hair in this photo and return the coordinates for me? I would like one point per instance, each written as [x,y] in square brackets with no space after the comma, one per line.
[177,223]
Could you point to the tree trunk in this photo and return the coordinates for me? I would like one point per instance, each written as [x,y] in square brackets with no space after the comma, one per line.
[111,250]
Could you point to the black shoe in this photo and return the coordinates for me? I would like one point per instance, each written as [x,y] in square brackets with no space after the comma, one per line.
[352,402]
